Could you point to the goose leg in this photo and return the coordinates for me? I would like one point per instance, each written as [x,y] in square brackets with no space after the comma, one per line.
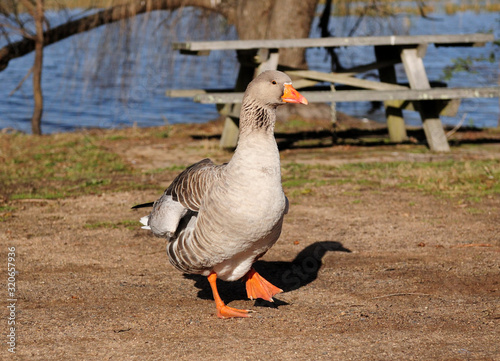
[259,287]
[224,311]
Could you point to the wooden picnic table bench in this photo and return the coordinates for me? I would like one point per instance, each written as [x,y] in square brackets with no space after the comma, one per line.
[256,56]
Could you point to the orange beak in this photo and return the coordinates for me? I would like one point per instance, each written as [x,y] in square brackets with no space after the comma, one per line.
[291,95]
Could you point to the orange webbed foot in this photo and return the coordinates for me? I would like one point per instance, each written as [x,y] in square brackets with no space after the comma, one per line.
[228,312]
[258,287]
[224,311]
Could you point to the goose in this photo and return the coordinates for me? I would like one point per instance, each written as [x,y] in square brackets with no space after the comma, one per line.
[219,219]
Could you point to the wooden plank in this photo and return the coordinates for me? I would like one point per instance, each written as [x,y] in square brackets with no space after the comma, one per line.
[300,83]
[367,95]
[415,70]
[409,94]
[433,129]
[230,133]
[345,79]
[459,39]
[267,60]
[184,93]
[448,108]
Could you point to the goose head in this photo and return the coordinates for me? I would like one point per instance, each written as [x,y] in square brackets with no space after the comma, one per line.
[271,89]
[263,95]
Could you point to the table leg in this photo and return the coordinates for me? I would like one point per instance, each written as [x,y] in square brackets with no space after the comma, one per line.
[229,137]
[267,60]
[417,77]
[394,114]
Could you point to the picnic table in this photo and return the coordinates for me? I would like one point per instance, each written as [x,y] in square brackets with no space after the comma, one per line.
[256,56]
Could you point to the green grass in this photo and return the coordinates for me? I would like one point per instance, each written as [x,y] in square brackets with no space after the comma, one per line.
[472,210]
[173,168]
[6,212]
[73,164]
[472,180]
[60,166]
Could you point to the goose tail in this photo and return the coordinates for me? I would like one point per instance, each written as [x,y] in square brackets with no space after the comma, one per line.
[145,220]
[143,205]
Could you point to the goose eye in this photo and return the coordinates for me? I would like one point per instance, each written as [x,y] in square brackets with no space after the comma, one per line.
[274,82]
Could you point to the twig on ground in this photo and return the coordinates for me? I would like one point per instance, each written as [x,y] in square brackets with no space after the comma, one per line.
[472,245]
[402,294]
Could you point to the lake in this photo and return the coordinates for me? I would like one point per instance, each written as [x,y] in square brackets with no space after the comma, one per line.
[83,89]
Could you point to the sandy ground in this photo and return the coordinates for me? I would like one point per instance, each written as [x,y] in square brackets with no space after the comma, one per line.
[367,274]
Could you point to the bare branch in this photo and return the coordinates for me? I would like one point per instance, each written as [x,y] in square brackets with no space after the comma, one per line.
[16,29]
[30,7]
[106,16]
[402,294]
[21,82]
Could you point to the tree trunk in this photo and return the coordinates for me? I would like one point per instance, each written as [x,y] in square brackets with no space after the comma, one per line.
[37,69]
[103,17]
[255,19]
[276,19]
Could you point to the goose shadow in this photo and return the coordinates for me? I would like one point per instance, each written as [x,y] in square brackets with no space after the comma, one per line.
[288,276]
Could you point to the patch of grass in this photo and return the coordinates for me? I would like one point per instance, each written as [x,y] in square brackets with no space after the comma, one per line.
[474,199]
[292,183]
[472,210]
[163,134]
[6,208]
[292,124]
[61,165]
[301,179]
[464,179]
[448,178]
[296,175]
[6,212]
[73,164]
[173,168]
[116,137]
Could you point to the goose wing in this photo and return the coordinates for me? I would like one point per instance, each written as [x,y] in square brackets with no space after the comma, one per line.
[182,199]
[190,186]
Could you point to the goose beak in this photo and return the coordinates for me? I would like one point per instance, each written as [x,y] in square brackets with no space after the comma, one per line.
[290,95]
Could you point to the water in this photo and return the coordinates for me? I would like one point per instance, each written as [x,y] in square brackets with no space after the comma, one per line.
[136,93]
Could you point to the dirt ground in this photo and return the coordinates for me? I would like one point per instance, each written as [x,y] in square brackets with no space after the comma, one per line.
[367,274]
